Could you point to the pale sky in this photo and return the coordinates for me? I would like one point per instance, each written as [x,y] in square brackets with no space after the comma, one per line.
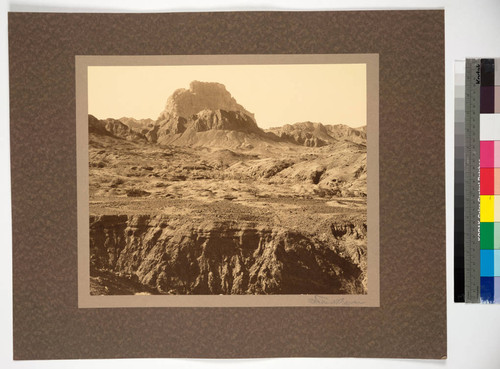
[276,94]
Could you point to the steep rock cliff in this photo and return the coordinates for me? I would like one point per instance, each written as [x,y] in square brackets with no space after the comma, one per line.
[170,257]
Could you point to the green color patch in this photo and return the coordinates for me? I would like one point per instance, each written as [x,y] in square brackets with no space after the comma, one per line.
[487,235]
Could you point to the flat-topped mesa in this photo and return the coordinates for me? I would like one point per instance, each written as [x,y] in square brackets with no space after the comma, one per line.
[200,96]
[203,115]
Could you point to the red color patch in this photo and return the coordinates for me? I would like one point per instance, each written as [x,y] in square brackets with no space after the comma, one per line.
[487,181]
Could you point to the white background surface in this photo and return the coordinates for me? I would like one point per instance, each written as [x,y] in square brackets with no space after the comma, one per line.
[472,30]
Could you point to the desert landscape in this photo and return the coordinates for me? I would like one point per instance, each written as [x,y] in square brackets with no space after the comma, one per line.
[204,201]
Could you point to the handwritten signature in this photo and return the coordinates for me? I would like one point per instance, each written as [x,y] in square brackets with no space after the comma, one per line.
[334,300]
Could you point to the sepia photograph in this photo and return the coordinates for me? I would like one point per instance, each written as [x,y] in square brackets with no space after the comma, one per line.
[245,179]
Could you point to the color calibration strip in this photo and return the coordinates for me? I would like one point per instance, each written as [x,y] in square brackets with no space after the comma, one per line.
[477,181]
[459,271]
[490,181]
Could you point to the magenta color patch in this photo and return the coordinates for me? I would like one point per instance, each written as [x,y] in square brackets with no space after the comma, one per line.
[487,154]
[497,154]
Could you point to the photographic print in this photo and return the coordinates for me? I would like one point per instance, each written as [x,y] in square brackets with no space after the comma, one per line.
[217,179]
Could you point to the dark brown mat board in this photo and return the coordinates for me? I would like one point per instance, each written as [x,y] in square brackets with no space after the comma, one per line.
[407,319]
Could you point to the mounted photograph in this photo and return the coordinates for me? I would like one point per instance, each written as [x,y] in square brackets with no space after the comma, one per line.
[228,180]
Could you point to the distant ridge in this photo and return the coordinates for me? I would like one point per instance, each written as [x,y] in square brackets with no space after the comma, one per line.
[114,128]
[207,115]
[318,134]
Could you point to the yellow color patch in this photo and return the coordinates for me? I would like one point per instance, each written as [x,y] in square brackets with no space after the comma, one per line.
[487,208]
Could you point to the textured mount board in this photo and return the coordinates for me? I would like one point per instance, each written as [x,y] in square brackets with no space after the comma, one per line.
[411,319]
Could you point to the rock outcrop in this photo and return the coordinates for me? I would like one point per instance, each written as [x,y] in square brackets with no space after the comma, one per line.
[138,125]
[205,107]
[114,128]
[341,131]
[189,131]
[317,134]
[200,96]
[170,257]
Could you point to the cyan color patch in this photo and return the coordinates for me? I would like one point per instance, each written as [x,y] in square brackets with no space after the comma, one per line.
[487,266]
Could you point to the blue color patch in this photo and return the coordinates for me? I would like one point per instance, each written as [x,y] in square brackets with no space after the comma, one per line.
[487,289]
